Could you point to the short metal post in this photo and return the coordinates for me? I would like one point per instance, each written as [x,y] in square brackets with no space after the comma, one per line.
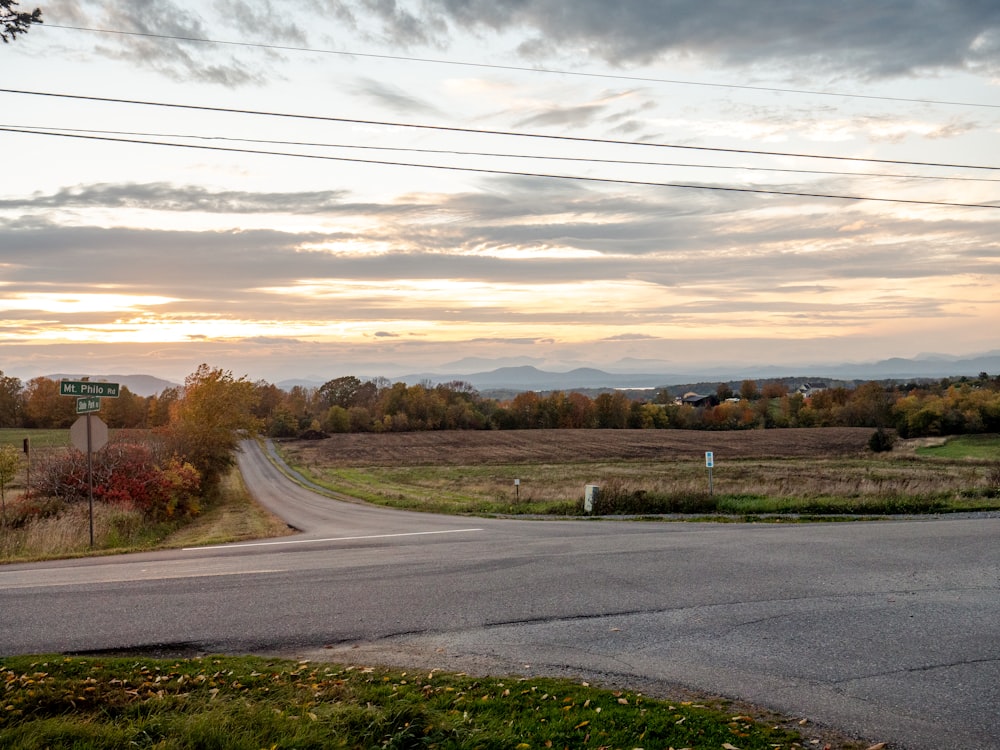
[90,479]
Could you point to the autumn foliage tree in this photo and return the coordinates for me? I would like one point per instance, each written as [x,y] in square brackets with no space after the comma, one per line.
[11,401]
[208,421]
[45,408]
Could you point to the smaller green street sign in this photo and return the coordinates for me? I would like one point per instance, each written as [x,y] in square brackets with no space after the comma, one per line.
[87,388]
[88,404]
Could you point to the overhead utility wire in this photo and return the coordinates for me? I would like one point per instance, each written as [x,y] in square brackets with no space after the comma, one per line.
[454,152]
[508,173]
[479,131]
[522,69]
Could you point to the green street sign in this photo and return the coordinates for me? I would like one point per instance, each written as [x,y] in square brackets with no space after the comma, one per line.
[87,404]
[87,388]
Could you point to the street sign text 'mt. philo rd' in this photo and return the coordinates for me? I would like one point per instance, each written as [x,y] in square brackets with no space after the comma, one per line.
[87,388]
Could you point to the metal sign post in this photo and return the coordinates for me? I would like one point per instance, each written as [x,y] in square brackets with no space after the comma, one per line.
[710,464]
[90,476]
[89,433]
[27,457]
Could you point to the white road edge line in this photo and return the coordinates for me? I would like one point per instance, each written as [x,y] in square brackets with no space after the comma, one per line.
[137,579]
[330,539]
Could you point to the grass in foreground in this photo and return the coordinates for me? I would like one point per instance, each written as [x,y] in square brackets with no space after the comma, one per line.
[249,703]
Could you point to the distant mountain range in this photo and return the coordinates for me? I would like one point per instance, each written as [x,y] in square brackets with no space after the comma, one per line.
[527,377]
[531,378]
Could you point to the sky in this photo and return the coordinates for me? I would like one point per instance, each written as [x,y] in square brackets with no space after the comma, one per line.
[320,188]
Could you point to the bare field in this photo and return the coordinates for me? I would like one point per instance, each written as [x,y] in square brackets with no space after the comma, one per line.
[458,448]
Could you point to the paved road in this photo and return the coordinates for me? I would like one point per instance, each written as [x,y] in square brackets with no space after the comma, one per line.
[888,631]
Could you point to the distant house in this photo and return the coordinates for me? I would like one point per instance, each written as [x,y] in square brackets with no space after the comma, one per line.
[696,399]
[807,390]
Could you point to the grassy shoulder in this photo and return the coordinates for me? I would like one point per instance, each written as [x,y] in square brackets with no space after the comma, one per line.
[248,703]
[874,485]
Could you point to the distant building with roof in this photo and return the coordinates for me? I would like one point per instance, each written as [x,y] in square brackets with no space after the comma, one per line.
[807,390]
[697,399]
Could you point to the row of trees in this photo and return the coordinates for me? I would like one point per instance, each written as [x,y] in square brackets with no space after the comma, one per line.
[349,404]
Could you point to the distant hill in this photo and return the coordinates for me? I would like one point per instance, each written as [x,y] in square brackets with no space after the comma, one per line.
[530,378]
[931,367]
[140,385]
[513,379]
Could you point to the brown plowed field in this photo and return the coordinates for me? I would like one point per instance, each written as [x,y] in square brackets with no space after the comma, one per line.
[463,448]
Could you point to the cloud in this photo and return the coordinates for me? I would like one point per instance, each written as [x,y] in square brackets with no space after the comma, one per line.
[161,196]
[578,116]
[852,38]
[636,261]
[261,20]
[631,337]
[667,237]
[173,58]
[395,98]
[270,340]
[871,40]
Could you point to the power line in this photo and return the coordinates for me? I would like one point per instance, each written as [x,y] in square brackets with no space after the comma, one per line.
[510,173]
[479,131]
[44,130]
[525,69]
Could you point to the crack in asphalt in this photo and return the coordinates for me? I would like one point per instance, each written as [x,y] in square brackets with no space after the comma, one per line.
[916,670]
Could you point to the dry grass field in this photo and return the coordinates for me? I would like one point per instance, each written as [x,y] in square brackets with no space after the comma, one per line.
[811,471]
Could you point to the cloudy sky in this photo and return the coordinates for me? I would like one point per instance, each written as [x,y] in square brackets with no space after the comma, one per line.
[315,188]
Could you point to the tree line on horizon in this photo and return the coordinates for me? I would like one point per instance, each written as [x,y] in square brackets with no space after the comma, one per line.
[350,404]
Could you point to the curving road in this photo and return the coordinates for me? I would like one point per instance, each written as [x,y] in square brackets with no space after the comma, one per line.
[889,631]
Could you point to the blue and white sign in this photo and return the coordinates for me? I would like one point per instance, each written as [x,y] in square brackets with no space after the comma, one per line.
[709,459]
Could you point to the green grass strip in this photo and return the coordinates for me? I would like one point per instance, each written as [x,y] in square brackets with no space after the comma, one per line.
[250,703]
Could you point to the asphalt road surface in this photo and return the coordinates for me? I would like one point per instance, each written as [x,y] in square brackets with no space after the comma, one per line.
[888,631]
